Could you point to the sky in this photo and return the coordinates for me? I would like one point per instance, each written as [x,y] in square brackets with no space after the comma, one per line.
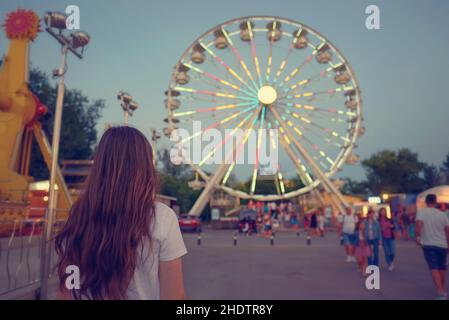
[402,69]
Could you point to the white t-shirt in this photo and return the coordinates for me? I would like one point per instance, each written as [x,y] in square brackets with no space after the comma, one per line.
[434,222]
[167,245]
[320,219]
[349,222]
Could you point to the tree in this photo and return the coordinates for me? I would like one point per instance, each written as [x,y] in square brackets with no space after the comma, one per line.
[174,181]
[352,187]
[432,176]
[445,169]
[169,168]
[390,171]
[79,120]
[178,187]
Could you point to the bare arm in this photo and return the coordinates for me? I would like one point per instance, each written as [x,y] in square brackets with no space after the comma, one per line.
[171,280]
[446,229]
[418,229]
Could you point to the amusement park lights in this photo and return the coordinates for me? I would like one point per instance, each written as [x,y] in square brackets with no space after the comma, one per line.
[276,74]
[155,136]
[128,104]
[75,42]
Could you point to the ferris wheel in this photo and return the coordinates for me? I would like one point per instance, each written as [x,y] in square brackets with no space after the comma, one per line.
[264,72]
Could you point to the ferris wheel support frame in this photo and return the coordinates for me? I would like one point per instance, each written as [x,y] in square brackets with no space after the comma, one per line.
[327,184]
[310,185]
[303,177]
[213,181]
[301,173]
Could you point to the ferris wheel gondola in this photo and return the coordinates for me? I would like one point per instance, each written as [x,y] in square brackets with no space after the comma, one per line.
[264,72]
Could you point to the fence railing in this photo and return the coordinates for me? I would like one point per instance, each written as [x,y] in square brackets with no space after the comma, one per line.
[20,249]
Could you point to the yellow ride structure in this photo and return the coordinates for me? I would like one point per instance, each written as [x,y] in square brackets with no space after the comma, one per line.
[19,113]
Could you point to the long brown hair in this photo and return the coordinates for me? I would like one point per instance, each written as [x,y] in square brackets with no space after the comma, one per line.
[112,217]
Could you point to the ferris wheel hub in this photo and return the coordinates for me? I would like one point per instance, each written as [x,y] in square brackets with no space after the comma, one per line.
[267,95]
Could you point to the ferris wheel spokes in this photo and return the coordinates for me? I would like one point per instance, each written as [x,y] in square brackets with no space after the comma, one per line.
[304,82]
[286,69]
[235,155]
[259,144]
[241,61]
[254,52]
[217,79]
[300,168]
[314,146]
[225,107]
[229,69]
[328,185]
[233,116]
[223,141]
[218,176]
[269,62]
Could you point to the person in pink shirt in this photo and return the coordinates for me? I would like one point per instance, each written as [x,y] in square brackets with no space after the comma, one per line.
[388,240]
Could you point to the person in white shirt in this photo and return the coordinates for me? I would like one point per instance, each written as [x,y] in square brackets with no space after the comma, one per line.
[125,244]
[432,233]
[347,224]
[321,221]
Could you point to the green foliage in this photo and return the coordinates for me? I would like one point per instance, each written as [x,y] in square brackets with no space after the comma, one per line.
[445,169]
[169,168]
[177,187]
[432,176]
[268,186]
[352,187]
[399,171]
[174,181]
[390,171]
[79,120]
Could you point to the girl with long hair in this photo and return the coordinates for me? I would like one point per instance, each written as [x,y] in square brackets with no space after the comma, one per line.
[125,243]
[388,240]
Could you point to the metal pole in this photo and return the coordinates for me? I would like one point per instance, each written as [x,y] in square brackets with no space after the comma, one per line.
[126,117]
[48,223]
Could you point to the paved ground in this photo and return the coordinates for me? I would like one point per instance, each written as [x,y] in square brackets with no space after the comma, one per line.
[290,269]
[293,270]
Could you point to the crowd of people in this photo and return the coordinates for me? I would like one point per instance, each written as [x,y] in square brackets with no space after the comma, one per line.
[366,237]
[271,215]
[363,236]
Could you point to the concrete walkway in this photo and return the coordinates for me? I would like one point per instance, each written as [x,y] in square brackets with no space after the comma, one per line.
[290,269]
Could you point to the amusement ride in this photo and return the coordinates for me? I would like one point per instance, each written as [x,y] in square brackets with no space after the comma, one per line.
[265,72]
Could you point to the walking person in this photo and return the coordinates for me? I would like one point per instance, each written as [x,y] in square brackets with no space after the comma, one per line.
[268,225]
[432,233]
[346,228]
[274,212]
[372,235]
[412,226]
[388,240]
[125,243]
[306,221]
[321,221]
[405,225]
[313,223]
[397,222]
[362,249]
[251,205]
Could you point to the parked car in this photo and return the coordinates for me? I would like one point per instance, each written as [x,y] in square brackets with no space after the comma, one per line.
[188,223]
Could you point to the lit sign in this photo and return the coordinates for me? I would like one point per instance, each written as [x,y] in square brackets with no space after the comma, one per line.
[374,200]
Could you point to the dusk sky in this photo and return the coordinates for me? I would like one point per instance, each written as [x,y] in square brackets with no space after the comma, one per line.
[402,69]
